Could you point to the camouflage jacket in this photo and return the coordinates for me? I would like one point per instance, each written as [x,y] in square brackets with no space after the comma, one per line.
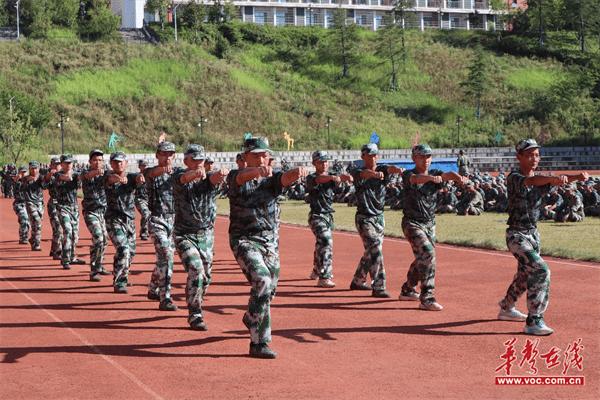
[420,200]
[524,202]
[94,196]
[370,193]
[195,206]
[320,196]
[66,191]
[253,206]
[120,198]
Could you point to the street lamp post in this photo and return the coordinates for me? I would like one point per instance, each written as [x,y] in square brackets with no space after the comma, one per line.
[18,22]
[310,19]
[203,120]
[328,125]
[175,18]
[458,121]
[61,125]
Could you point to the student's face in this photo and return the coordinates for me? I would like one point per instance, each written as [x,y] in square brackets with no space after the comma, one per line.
[118,166]
[208,166]
[259,159]
[241,163]
[96,162]
[370,160]
[321,166]
[193,164]
[66,166]
[33,171]
[422,162]
[165,158]
[529,159]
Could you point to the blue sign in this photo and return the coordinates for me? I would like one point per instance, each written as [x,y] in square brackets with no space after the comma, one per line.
[374,138]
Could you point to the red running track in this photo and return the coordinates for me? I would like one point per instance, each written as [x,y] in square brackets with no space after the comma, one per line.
[65,337]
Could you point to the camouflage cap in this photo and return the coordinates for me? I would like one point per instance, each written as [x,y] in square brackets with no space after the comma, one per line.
[166,146]
[118,156]
[22,168]
[66,158]
[34,164]
[195,151]
[55,160]
[526,144]
[321,155]
[142,162]
[369,148]
[209,160]
[96,152]
[256,145]
[422,150]
[239,156]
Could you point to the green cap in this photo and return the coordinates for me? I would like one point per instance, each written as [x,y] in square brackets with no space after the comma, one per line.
[256,145]
[321,155]
[34,164]
[96,152]
[526,144]
[166,146]
[370,148]
[66,158]
[22,168]
[195,151]
[55,160]
[422,150]
[118,156]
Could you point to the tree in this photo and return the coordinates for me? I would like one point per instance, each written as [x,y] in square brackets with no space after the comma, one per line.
[343,41]
[162,6]
[16,134]
[477,80]
[193,15]
[97,20]
[221,12]
[391,43]
[584,18]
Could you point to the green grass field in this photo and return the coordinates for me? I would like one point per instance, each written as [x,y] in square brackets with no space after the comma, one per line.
[567,240]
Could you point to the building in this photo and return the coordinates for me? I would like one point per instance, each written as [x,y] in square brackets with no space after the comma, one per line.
[425,14]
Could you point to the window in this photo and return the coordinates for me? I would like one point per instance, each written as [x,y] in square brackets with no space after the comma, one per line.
[280,18]
[260,17]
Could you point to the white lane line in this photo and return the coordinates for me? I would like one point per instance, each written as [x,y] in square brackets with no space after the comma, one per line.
[112,362]
[443,246]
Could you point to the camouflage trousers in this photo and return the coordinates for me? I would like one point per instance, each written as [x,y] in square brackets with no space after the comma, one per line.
[69,221]
[57,233]
[421,237]
[196,253]
[161,229]
[35,212]
[322,226]
[21,210]
[122,235]
[569,215]
[142,207]
[371,231]
[96,225]
[592,211]
[258,257]
[532,274]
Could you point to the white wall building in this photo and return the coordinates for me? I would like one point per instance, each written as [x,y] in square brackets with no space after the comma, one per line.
[425,14]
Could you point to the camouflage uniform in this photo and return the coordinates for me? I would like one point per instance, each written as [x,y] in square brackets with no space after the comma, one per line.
[418,225]
[370,224]
[194,237]
[119,217]
[162,218]
[464,165]
[68,211]
[94,208]
[33,192]
[141,204]
[523,241]
[20,210]
[53,215]
[320,220]
[254,241]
